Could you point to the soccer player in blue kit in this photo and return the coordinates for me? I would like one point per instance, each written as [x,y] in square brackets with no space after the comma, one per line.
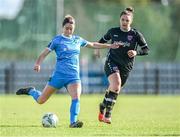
[66,72]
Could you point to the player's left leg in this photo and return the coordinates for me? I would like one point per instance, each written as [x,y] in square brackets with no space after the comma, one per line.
[117,81]
[111,95]
[74,90]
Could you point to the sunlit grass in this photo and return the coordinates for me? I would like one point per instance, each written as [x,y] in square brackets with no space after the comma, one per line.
[132,116]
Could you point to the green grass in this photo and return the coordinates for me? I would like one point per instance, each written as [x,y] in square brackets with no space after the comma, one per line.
[132,116]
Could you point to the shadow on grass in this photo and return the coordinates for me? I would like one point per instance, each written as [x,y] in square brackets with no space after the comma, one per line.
[20,126]
[145,135]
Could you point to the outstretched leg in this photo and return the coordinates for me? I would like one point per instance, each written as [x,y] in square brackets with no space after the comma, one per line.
[39,97]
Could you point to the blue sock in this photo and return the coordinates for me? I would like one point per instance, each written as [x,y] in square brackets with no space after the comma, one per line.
[74,110]
[35,93]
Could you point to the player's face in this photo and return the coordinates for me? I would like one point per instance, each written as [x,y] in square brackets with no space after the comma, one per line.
[125,22]
[68,29]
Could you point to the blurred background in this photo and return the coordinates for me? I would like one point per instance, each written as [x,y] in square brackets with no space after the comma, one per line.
[27,26]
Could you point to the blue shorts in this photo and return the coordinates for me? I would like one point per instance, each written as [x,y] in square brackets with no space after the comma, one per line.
[58,81]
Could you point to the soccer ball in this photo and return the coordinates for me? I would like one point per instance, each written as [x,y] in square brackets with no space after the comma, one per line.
[49,120]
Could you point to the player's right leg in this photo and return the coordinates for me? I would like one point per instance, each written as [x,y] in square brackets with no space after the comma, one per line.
[110,98]
[102,107]
[47,92]
[24,91]
[39,97]
[53,84]
[105,109]
[113,91]
[29,91]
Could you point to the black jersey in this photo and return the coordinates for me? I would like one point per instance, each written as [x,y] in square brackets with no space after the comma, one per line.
[131,40]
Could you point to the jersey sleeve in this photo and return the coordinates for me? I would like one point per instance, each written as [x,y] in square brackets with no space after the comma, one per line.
[51,46]
[141,40]
[83,42]
[143,45]
[106,37]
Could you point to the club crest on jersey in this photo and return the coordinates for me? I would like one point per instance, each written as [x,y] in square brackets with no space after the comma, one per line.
[129,37]
[115,69]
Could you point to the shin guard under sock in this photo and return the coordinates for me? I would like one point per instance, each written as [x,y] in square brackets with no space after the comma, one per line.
[110,101]
[35,94]
[74,110]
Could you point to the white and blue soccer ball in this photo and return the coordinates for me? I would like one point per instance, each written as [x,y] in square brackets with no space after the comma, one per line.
[50,120]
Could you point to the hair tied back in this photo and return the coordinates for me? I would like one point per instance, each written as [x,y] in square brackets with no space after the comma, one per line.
[130,9]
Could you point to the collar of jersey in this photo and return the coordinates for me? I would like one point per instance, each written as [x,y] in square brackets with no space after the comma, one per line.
[66,36]
[124,31]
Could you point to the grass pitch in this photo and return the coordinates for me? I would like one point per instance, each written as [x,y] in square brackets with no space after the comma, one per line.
[141,115]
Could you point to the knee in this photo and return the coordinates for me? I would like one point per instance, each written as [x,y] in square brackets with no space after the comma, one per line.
[116,86]
[40,101]
[75,96]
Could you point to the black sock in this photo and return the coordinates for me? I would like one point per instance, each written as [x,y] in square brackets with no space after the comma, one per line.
[104,103]
[110,101]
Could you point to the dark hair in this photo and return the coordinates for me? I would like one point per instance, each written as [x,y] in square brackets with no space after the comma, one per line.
[130,9]
[68,19]
[127,11]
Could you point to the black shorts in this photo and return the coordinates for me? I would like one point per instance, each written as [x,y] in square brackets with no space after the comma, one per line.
[110,67]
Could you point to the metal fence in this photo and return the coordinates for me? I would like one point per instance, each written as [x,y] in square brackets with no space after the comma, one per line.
[145,78]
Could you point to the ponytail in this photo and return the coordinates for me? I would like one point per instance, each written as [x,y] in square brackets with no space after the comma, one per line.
[127,11]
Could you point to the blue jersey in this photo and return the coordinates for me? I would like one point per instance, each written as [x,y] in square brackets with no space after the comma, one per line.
[67,54]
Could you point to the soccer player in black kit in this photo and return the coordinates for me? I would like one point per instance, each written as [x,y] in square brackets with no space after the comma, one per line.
[120,61]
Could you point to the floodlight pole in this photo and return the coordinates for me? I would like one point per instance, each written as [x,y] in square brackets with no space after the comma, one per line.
[59,15]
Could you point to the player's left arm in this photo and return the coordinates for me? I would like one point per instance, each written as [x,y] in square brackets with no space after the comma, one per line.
[143,51]
[143,45]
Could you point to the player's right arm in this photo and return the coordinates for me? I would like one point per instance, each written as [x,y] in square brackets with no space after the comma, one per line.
[42,56]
